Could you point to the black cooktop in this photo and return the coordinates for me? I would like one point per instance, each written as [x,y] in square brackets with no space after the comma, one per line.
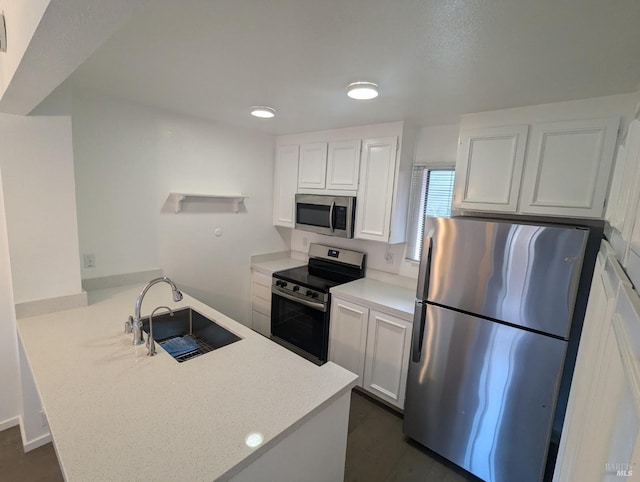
[302,277]
[317,280]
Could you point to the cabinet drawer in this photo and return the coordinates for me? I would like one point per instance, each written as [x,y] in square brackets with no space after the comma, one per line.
[261,323]
[261,292]
[261,306]
[261,278]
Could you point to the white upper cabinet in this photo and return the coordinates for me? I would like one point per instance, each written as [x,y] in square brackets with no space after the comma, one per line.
[568,166]
[285,186]
[372,163]
[375,193]
[543,168]
[343,165]
[312,167]
[489,168]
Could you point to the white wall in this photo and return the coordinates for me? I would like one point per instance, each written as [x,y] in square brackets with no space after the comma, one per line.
[129,157]
[47,41]
[611,105]
[9,381]
[21,19]
[39,190]
[437,144]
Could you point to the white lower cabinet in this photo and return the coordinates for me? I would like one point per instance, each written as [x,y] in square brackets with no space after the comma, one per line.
[387,361]
[348,336]
[261,303]
[374,345]
[601,435]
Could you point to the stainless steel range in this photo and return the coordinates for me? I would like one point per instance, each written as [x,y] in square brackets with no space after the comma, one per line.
[301,302]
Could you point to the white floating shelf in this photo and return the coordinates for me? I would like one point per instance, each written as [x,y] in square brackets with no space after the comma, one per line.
[175,199]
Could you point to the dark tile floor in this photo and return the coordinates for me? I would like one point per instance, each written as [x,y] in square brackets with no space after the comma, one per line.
[376,451]
[39,465]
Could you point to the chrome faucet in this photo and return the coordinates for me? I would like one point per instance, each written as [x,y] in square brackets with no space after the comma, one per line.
[151,345]
[135,323]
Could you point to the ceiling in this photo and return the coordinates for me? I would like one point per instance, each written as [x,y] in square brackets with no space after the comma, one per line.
[433,60]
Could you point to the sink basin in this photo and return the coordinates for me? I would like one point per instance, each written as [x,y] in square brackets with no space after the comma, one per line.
[205,335]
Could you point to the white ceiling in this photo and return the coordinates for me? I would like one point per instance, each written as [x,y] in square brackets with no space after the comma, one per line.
[433,60]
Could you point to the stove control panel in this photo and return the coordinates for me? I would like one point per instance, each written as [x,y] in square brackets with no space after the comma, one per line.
[299,291]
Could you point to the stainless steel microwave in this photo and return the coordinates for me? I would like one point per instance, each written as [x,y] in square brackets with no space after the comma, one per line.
[324,214]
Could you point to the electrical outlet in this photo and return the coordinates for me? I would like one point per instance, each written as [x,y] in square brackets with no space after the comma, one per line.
[89,260]
[305,242]
[388,256]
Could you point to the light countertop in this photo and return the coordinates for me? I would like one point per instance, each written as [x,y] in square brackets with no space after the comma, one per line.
[392,299]
[116,414]
[271,266]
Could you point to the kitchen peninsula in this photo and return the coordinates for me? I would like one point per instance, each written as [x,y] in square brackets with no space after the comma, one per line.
[251,410]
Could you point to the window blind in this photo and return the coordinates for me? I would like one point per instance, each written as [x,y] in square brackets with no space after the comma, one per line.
[431,195]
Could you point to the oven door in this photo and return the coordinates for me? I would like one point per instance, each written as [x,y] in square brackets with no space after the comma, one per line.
[300,325]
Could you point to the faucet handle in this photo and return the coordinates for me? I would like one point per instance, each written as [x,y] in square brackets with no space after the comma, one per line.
[128,325]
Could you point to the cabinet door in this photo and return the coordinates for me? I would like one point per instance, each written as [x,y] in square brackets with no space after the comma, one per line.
[312,166]
[610,443]
[285,186]
[348,336]
[375,192]
[343,165]
[631,223]
[568,166]
[489,168]
[596,322]
[630,183]
[388,346]
[614,212]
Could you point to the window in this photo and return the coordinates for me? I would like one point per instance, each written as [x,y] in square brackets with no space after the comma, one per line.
[431,195]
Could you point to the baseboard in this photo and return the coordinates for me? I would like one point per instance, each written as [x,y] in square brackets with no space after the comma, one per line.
[113,281]
[29,445]
[11,422]
[51,305]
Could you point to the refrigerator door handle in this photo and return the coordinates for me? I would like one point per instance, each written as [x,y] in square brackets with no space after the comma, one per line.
[425,268]
[419,319]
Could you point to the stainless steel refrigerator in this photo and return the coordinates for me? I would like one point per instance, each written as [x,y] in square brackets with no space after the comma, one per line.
[494,306]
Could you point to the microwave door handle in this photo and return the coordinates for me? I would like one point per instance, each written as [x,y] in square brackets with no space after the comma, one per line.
[333,205]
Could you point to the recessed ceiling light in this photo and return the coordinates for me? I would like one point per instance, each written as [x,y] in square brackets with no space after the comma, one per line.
[263,111]
[362,90]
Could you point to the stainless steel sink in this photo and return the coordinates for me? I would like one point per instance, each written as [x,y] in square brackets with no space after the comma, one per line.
[208,335]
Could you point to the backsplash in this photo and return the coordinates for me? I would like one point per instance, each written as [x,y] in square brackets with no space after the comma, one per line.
[388,259]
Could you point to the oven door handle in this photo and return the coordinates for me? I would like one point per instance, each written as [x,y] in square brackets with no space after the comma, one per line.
[311,304]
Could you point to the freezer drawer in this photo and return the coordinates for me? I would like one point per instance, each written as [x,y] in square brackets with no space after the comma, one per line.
[482,394]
